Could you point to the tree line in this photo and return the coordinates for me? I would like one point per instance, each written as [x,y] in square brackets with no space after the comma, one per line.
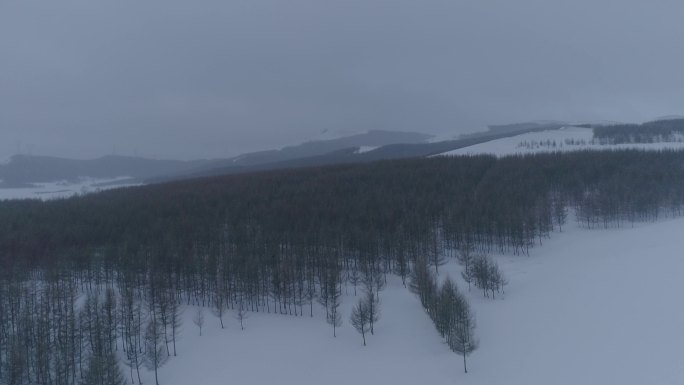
[671,130]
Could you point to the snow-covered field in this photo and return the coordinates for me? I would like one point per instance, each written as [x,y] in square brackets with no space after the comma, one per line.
[587,307]
[63,189]
[566,139]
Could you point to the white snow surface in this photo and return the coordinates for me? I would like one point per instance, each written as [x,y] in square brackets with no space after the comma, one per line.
[586,307]
[363,149]
[536,142]
[63,189]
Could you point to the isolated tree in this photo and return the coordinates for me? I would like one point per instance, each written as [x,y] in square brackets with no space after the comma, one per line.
[198,319]
[360,319]
[219,307]
[401,267]
[241,314]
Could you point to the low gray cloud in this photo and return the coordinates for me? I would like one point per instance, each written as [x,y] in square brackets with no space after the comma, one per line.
[210,78]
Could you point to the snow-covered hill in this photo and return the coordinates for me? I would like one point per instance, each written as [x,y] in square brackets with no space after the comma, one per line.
[564,139]
[587,307]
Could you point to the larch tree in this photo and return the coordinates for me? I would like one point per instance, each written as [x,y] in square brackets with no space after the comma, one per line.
[155,352]
[176,320]
[360,319]
[461,338]
[198,319]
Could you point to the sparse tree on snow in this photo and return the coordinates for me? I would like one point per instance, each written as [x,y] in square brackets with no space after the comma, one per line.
[198,319]
[360,319]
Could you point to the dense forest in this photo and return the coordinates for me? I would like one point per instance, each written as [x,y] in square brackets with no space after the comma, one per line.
[671,130]
[86,280]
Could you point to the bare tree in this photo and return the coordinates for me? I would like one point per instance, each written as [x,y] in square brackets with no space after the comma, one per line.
[198,319]
[481,273]
[334,299]
[465,258]
[354,277]
[241,314]
[496,278]
[155,353]
[176,320]
[360,319]
[133,321]
[437,258]
[219,306]
[372,304]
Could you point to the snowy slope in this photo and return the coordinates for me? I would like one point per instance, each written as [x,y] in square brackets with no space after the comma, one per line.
[566,139]
[280,349]
[364,149]
[587,307]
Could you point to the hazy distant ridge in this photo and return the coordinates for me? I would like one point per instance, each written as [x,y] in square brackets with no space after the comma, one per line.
[27,169]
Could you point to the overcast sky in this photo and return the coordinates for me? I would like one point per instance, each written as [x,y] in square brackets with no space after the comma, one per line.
[204,78]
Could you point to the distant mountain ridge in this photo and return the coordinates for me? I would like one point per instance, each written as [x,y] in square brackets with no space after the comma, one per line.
[24,170]
[374,145]
[374,138]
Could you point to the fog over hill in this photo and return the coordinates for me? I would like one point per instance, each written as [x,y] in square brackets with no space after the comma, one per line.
[327,148]
[23,170]
[345,192]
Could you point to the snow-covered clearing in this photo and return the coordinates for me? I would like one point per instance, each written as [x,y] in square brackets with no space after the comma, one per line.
[587,307]
[64,189]
[566,139]
[364,149]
